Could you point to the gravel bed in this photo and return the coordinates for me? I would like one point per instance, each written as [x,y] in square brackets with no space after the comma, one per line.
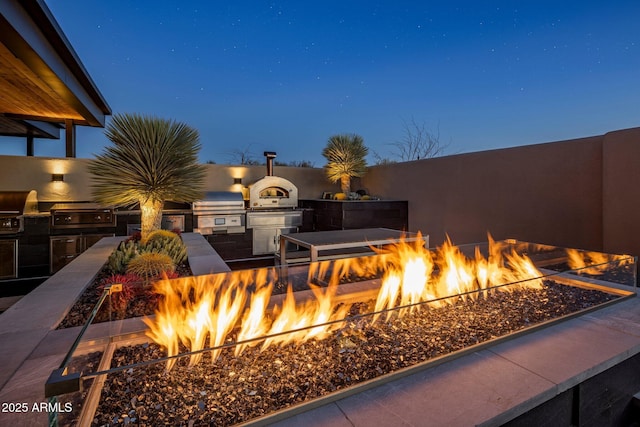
[623,275]
[237,389]
[87,363]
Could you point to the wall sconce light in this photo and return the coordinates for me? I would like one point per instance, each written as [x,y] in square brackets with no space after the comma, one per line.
[57,177]
[237,181]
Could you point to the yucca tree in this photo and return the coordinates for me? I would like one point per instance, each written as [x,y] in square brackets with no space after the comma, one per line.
[152,160]
[345,156]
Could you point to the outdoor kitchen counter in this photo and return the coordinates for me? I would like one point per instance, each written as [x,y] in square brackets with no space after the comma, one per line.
[352,214]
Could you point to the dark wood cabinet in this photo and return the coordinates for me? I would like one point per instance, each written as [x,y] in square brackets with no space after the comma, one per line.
[64,249]
[353,214]
[8,259]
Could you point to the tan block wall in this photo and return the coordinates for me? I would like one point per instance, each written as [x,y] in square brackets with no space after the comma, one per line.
[18,173]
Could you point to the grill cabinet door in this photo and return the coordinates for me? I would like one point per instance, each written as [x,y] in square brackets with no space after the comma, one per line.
[63,250]
[92,239]
[9,259]
[267,240]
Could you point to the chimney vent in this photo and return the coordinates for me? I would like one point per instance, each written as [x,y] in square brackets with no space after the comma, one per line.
[270,155]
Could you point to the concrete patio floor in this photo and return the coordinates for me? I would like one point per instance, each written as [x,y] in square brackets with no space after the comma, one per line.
[489,387]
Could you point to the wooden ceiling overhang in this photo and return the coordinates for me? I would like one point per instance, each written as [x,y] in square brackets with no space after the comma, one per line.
[43,84]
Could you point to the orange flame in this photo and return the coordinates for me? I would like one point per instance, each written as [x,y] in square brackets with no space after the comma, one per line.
[193,308]
[412,275]
[214,306]
[594,263]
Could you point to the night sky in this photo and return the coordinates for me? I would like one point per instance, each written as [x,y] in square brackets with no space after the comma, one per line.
[285,76]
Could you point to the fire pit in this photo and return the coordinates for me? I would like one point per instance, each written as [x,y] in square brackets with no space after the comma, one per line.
[222,349]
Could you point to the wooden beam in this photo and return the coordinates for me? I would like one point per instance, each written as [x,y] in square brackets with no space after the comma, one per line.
[70,138]
[30,145]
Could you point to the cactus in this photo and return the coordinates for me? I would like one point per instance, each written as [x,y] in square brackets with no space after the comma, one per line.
[118,260]
[165,242]
[150,265]
[162,235]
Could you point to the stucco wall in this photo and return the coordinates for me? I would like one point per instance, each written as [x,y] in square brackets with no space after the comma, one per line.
[19,173]
[621,191]
[548,193]
[34,173]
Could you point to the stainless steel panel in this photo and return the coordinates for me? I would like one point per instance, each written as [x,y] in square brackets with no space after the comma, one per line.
[215,221]
[172,222]
[219,201]
[11,225]
[81,215]
[220,223]
[267,240]
[274,219]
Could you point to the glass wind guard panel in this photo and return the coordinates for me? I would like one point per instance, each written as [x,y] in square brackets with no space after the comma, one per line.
[105,322]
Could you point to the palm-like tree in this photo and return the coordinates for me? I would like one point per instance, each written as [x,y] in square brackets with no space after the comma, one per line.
[345,156]
[152,160]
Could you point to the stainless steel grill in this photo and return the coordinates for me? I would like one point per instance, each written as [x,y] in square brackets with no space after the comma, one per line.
[13,206]
[81,215]
[219,212]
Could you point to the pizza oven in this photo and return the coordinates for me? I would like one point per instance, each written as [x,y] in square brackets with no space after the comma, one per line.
[272,191]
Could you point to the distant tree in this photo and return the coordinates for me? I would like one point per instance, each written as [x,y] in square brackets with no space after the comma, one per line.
[242,156]
[379,160]
[295,163]
[152,160]
[345,156]
[302,164]
[211,162]
[418,142]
